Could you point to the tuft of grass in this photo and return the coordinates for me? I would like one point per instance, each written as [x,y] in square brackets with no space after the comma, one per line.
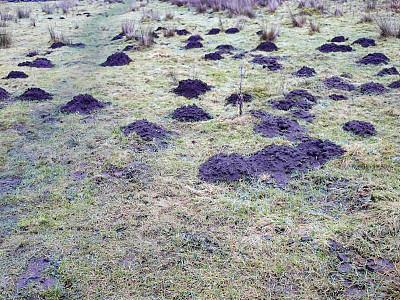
[169,15]
[367,18]
[169,32]
[146,37]
[314,27]
[48,8]
[65,6]
[56,36]
[128,27]
[269,34]
[388,27]
[298,21]
[150,15]
[23,12]
[6,16]
[338,12]
[5,38]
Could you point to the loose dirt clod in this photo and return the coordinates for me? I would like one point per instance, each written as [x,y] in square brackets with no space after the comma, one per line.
[303,114]
[182,32]
[365,42]
[146,130]
[35,94]
[337,97]
[191,88]
[191,45]
[363,129]
[388,71]
[37,63]
[190,113]
[374,59]
[305,72]
[338,83]
[83,104]
[214,31]
[117,59]
[16,74]
[334,48]
[234,99]
[339,39]
[231,30]
[276,126]
[267,46]
[373,88]
[395,85]
[4,94]
[213,56]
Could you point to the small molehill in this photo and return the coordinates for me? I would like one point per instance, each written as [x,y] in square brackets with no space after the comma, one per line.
[326,48]
[339,39]
[190,113]
[225,48]
[267,46]
[191,88]
[365,42]
[16,74]
[32,54]
[182,32]
[213,56]
[35,94]
[4,94]
[373,88]
[305,72]
[117,59]
[191,45]
[235,98]
[388,71]
[194,38]
[303,114]
[300,95]
[395,85]
[363,129]
[374,59]
[338,83]
[267,62]
[337,97]
[224,167]
[146,130]
[289,104]
[280,126]
[83,103]
[118,36]
[214,31]
[37,63]
[57,45]
[232,30]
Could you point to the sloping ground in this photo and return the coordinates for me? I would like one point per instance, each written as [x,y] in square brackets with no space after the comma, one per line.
[89,212]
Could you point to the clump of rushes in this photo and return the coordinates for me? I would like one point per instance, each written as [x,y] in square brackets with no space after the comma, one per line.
[314,27]
[169,32]
[48,9]
[146,37]
[5,38]
[298,21]
[128,28]
[23,12]
[6,16]
[56,36]
[388,27]
[269,34]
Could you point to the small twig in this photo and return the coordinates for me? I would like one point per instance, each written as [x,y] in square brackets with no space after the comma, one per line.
[240,92]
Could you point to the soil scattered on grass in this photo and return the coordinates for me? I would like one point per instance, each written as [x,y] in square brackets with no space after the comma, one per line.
[395,85]
[214,31]
[191,45]
[213,56]
[267,62]
[337,97]
[37,63]
[277,161]
[57,45]
[117,59]
[34,275]
[234,99]
[232,30]
[128,48]
[35,94]
[190,113]
[259,114]
[300,95]
[378,265]
[326,48]
[191,88]
[225,48]
[16,74]
[83,104]
[118,36]
[182,32]
[288,104]
[276,126]
[374,59]
[388,71]
[305,72]
[303,114]
[360,128]
[4,94]
[365,42]
[267,46]
[339,39]
[146,130]
[32,54]
[338,83]
[373,88]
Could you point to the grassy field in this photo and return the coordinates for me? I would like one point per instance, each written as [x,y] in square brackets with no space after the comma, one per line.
[110,216]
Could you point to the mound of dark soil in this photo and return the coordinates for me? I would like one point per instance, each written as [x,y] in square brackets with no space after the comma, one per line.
[57,45]
[338,83]
[191,45]
[300,95]
[182,32]
[270,62]
[32,54]
[395,85]
[234,99]
[326,48]
[213,56]
[363,129]
[128,48]
[388,71]
[267,46]
[146,130]
[35,94]
[365,42]
[374,59]
[16,74]
[288,104]
[305,72]
[339,39]
[303,114]
[232,30]
[259,114]
[118,36]
[224,167]
[225,48]
[191,113]
[319,152]
[4,94]
[83,104]
[160,28]
[191,88]
[117,59]
[214,31]
[37,63]
[337,97]
[373,88]
[194,38]
[276,126]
